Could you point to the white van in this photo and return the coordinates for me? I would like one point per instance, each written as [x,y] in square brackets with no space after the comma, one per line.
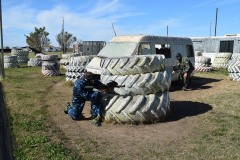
[125,46]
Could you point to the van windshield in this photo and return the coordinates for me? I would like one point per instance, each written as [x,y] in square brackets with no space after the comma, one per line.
[118,49]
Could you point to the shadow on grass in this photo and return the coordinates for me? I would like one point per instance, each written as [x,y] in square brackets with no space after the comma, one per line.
[196,83]
[6,148]
[182,109]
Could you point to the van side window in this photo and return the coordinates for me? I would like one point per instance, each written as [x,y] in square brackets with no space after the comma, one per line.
[163,49]
[144,49]
[190,52]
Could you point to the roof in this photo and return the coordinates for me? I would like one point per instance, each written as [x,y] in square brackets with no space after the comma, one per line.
[216,38]
[149,38]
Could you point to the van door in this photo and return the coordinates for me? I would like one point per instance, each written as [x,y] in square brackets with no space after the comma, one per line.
[190,53]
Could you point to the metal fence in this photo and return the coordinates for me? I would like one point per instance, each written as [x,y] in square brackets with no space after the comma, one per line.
[91,47]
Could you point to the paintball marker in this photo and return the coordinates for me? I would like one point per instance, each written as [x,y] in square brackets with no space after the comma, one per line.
[108,88]
[111,84]
[176,68]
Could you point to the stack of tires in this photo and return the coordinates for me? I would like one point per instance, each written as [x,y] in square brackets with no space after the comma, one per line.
[221,60]
[203,64]
[21,54]
[143,94]
[35,62]
[76,67]
[66,58]
[10,62]
[234,67]
[50,65]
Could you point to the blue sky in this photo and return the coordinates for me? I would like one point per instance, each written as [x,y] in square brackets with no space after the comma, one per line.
[92,19]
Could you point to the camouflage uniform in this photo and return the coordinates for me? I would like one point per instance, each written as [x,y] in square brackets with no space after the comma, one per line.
[81,94]
[184,66]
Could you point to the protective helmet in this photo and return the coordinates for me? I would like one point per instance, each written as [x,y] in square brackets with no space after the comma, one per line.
[88,75]
[178,56]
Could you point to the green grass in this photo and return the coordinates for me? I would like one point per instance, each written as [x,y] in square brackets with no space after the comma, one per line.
[24,89]
[220,71]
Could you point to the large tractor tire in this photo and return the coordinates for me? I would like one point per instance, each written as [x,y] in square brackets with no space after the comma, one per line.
[202,64]
[202,60]
[144,97]
[23,59]
[66,58]
[140,84]
[236,56]
[53,72]
[234,66]
[19,52]
[235,76]
[137,109]
[10,59]
[53,57]
[76,67]
[203,69]
[133,65]
[35,62]
[50,65]
[11,62]
[80,60]
[221,60]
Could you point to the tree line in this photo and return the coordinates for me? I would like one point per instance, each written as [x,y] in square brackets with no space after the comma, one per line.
[38,39]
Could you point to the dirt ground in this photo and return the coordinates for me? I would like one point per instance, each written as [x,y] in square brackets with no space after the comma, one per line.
[118,141]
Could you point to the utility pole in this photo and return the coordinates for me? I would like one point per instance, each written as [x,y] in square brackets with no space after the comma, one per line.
[2,74]
[63,37]
[216,22]
[167,30]
[210,28]
[114,30]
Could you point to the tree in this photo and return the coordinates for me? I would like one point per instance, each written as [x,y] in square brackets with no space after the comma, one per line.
[38,39]
[65,40]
